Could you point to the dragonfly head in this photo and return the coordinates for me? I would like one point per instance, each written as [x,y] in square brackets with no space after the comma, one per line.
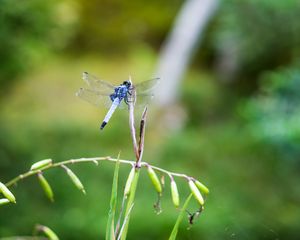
[127,83]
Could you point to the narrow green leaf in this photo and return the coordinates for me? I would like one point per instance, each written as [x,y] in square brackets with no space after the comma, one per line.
[46,187]
[126,218]
[130,204]
[110,233]
[7,193]
[40,164]
[180,217]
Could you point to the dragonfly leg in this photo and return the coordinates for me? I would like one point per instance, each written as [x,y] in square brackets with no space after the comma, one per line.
[112,97]
[126,100]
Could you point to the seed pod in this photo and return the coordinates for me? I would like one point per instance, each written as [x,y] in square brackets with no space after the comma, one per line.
[129,182]
[48,232]
[41,164]
[154,180]
[196,192]
[75,179]
[46,187]
[174,193]
[7,193]
[4,201]
[202,187]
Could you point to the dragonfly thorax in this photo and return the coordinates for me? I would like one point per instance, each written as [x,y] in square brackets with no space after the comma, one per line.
[120,92]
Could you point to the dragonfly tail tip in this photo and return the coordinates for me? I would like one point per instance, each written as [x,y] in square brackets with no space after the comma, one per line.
[103,125]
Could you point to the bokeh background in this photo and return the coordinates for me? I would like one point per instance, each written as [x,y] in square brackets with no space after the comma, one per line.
[237,115]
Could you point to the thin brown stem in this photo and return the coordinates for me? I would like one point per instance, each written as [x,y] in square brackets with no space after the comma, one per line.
[131,122]
[142,137]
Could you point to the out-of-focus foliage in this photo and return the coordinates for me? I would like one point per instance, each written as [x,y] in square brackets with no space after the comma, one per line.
[274,115]
[198,97]
[27,30]
[254,35]
[112,26]
[237,145]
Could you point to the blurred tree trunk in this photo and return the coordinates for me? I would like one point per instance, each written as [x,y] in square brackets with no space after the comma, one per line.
[180,45]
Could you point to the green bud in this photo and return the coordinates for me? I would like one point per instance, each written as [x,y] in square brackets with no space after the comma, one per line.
[154,180]
[4,201]
[75,179]
[202,187]
[174,193]
[48,232]
[129,182]
[7,193]
[196,192]
[40,164]
[46,187]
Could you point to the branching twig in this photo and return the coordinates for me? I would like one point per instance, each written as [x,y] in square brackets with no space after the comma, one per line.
[90,160]
[33,172]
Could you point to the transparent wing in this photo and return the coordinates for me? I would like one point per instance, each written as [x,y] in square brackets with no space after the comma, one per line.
[99,92]
[146,87]
[143,99]
[93,97]
[123,105]
[98,85]
[145,92]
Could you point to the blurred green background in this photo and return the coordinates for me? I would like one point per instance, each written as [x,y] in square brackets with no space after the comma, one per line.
[240,137]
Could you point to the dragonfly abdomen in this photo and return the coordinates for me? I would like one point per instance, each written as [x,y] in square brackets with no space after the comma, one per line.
[113,107]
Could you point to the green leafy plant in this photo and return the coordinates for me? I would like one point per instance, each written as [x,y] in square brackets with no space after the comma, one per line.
[117,228]
[273,114]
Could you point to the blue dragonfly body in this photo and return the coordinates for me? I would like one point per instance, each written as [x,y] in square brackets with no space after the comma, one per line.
[100,92]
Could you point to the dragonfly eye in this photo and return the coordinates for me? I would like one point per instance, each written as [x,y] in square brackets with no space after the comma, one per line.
[127,83]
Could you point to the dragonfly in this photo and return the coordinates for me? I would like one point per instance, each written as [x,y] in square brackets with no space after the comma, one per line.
[102,93]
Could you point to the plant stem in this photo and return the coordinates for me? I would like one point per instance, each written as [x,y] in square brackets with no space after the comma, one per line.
[125,220]
[179,218]
[89,160]
[166,171]
[131,122]
[142,138]
[59,164]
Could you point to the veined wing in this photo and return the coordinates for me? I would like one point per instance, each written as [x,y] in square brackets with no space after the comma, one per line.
[143,99]
[146,87]
[94,97]
[145,92]
[100,86]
